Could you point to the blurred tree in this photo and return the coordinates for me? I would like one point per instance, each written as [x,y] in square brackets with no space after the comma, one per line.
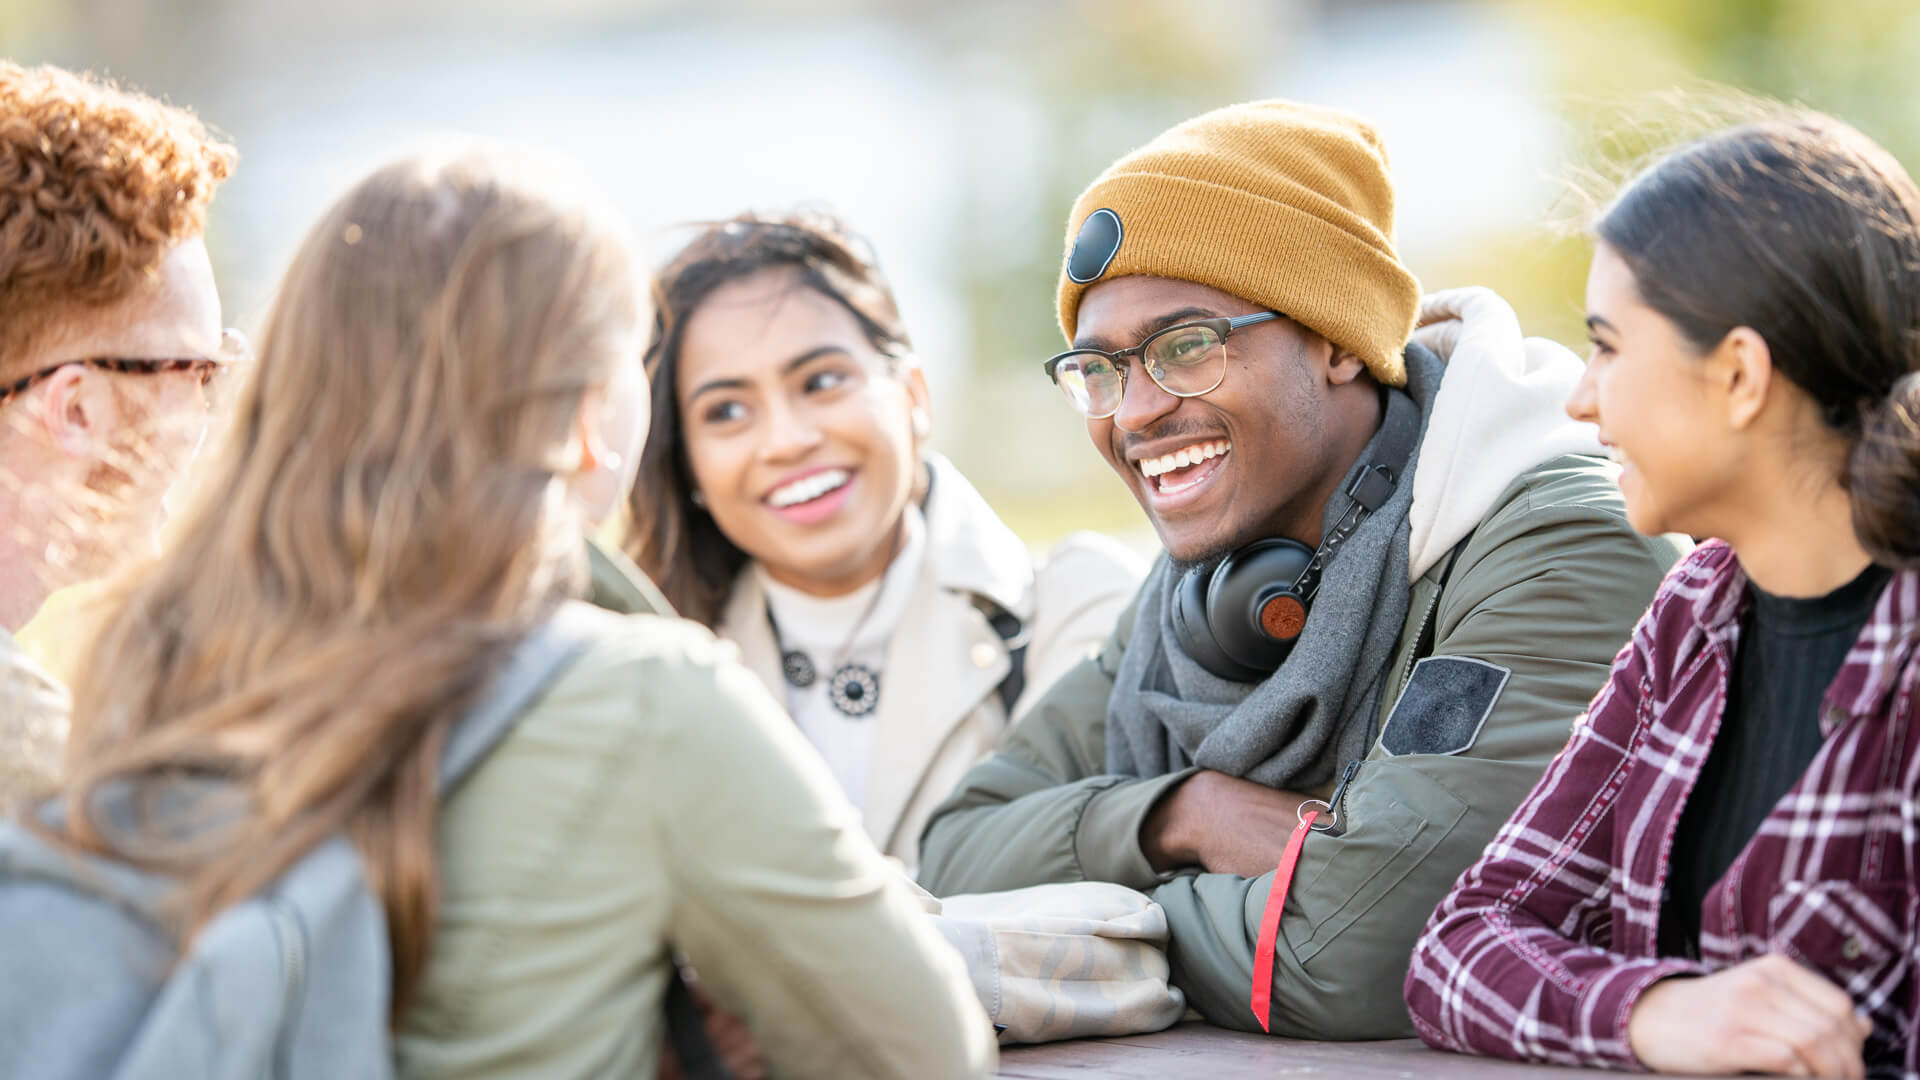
[1056,92]
[1053,94]
[21,23]
[1635,76]
[1853,58]
[1079,84]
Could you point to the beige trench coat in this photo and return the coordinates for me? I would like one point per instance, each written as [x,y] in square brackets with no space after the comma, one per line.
[940,713]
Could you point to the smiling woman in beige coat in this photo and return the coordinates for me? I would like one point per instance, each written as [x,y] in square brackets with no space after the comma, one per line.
[788,500]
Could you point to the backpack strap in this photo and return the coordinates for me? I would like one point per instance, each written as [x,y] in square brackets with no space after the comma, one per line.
[1015,635]
[536,662]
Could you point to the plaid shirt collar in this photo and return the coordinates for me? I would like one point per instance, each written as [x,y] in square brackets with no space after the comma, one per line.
[1884,649]
[1872,668]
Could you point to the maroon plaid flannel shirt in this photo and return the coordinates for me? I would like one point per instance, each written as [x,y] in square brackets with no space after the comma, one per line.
[1545,943]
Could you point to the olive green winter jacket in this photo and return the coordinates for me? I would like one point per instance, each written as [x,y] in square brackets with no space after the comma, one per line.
[1547,586]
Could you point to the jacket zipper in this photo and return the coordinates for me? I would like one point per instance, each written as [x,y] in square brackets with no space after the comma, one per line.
[293,975]
[1337,802]
[1413,656]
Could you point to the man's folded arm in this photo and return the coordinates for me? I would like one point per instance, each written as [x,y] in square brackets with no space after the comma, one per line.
[1358,901]
[1549,596]
[1043,808]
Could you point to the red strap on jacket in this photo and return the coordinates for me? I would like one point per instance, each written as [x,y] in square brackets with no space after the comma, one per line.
[1270,919]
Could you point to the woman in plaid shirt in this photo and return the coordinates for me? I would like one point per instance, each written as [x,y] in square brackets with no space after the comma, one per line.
[1718,873]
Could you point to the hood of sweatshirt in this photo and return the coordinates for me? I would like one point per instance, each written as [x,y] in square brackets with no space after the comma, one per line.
[1500,412]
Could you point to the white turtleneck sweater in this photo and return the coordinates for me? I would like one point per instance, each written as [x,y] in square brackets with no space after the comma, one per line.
[834,630]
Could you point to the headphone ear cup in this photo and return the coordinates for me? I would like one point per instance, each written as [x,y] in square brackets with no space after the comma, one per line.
[1252,609]
[1190,627]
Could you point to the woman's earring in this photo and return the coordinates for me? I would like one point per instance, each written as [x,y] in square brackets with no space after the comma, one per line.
[601,457]
[921,424]
[699,499]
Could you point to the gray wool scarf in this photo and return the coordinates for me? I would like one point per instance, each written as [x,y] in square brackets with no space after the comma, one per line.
[1295,729]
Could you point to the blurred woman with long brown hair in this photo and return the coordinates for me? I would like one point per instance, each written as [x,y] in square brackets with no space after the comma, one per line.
[448,393]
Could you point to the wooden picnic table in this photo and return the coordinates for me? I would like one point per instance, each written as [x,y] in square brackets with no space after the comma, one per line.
[1212,1053]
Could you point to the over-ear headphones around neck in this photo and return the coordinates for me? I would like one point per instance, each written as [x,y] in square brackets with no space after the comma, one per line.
[1240,618]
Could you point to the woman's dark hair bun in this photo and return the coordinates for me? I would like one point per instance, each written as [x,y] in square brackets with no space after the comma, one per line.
[1883,476]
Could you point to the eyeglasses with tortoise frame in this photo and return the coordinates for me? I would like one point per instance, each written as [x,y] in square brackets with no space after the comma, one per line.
[233,350]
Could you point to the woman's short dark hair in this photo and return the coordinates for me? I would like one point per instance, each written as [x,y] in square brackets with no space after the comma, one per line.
[1804,230]
[673,539]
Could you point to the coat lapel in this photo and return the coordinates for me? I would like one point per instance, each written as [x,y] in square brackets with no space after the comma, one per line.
[944,660]
[969,549]
[745,624]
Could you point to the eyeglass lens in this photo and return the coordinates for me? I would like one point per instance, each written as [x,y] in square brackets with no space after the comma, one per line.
[1185,361]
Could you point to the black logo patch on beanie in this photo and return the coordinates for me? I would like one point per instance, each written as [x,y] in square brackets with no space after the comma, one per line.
[1095,247]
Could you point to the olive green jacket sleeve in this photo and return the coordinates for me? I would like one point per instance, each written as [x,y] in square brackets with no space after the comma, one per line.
[1548,587]
[1042,809]
[656,801]
[617,585]
[788,913]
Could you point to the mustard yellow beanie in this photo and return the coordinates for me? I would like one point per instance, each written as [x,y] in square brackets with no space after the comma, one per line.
[1285,205]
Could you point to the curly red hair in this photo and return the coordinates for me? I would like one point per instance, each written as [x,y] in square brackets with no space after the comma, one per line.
[97,183]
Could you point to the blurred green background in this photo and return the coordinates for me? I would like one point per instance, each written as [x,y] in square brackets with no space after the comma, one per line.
[957,134]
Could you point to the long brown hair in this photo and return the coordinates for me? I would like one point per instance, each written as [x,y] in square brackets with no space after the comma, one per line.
[672,538]
[387,518]
[1805,230]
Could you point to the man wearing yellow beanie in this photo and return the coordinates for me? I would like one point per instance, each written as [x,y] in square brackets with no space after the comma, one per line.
[1395,572]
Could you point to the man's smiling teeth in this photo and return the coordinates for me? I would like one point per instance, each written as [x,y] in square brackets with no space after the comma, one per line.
[808,488]
[1180,459]
[1617,455]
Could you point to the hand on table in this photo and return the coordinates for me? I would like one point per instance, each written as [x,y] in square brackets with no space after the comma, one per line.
[1220,823]
[1767,1015]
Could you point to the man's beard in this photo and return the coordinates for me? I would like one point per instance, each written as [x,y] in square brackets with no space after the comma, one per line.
[1207,559]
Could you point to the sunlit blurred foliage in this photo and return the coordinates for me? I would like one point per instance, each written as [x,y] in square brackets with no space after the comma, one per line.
[1635,77]
[1045,94]
[1064,89]
[21,20]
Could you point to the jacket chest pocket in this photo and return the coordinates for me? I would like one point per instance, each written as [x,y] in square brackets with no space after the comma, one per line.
[1854,934]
